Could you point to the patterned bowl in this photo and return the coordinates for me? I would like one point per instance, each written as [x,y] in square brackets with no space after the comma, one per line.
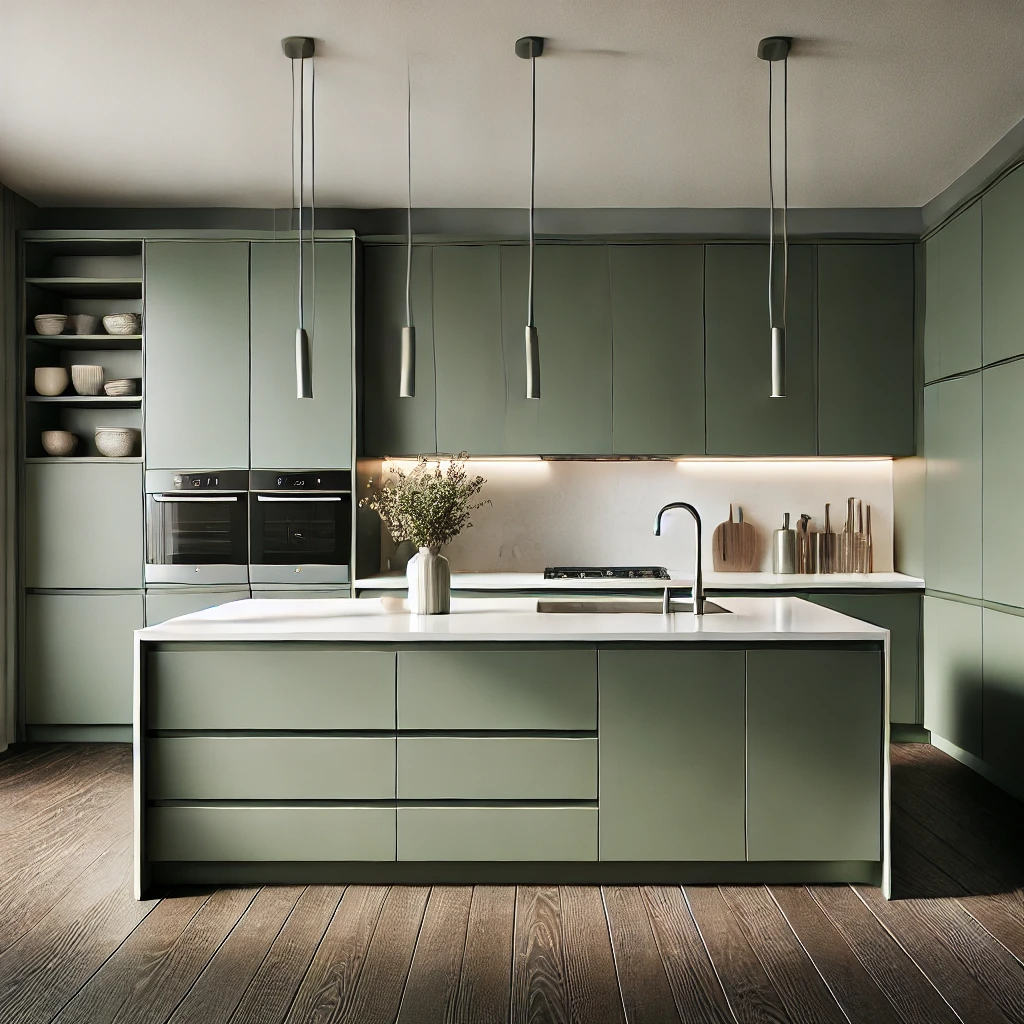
[83,323]
[121,323]
[115,442]
[59,442]
[120,388]
[88,380]
[49,323]
[50,380]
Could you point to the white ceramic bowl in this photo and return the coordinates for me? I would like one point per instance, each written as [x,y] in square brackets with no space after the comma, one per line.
[50,380]
[83,323]
[59,442]
[121,387]
[49,323]
[88,380]
[121,323]
[115,442]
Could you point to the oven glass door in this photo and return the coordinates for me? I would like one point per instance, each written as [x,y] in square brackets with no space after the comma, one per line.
[193,529]
[306,529]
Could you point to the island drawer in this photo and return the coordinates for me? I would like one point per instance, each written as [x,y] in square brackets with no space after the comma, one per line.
[497,768]
[271,688]
[270,833]
[271,768]
[553,690]
[497,833]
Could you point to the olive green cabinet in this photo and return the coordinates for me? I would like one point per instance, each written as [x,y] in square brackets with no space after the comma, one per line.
[83,526]
[287,432]
[79,658]
[742,417]
[393,425]
[672,751]
[1003,692]
[469,371]
[814,755]
[657,311]
[197,355]
[953,672]
[865,349]
[952,326]
[953,485]
[1002,211]
[162,605]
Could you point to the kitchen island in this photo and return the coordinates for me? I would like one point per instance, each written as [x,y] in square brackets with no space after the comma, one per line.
[347,740]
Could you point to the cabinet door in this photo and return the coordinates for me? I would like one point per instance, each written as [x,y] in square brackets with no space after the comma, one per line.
[79,658]
[657,309]
[953,485]
[573,315]
[742,417]
[814,755]
[672,751]
[162,605]
[1003,483]
[901,615]
[470,412]
[952,672]
[393,425]
[1002,212]
[1003,689]
[83,526]
[288,432]
[866,349]
[197,355]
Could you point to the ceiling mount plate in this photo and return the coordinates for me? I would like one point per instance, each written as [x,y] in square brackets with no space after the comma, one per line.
[774,47]
[529,46]
[298,47]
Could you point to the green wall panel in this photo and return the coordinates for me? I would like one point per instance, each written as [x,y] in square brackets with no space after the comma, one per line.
[953,672]
[1002,211]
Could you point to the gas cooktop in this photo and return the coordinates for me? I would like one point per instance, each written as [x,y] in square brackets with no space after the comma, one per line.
[609,572]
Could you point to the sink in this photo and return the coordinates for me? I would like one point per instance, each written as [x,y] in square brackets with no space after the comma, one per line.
[621,606]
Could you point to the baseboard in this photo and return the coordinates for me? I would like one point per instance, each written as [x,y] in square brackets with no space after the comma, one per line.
[900,732]
[1005,782]
[78,733]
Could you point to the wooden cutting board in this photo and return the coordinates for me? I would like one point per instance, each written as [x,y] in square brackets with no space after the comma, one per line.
[734,546]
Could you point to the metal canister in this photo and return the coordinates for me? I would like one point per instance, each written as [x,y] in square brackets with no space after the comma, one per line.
[784,548]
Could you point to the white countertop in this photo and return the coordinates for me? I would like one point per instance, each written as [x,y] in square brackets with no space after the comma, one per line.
[386,619]
[712,581]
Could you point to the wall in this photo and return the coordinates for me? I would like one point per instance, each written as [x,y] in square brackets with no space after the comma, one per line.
[602,513]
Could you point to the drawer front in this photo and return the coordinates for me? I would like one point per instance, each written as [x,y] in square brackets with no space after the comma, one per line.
[496,768]
[271,768]
[270,833]
[271,689]
[497,833]
[501,690]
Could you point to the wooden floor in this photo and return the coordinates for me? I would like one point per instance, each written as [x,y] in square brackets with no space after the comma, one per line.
[75,947]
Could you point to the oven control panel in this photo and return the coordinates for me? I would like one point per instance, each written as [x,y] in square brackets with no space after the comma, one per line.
[217,480]
[330,480]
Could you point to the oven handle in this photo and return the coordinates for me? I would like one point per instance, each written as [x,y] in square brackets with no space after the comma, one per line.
[192,497]
[295,497]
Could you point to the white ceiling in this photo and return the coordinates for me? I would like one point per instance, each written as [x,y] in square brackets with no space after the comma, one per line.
[654,103]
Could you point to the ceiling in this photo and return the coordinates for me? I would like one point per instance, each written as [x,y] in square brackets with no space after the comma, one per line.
[642,103]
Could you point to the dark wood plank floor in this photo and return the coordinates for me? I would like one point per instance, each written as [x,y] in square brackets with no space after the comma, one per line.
[76,948]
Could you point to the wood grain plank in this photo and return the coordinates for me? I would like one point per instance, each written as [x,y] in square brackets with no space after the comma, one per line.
[862,1000]
[539,990]
[18,760]
[646,994]
[750,992]
[485,983]
[433,983]
[219,989]
[589,959]
[695,986]
[276,982]
[327,988]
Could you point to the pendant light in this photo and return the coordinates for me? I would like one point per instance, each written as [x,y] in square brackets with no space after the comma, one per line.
[775,49]
[530,48]
[301,49]
[407,384]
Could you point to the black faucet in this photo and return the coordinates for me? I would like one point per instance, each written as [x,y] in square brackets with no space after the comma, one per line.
[698,576]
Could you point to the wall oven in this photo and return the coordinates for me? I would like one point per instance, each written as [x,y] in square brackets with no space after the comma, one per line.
[197,527]
[300,526]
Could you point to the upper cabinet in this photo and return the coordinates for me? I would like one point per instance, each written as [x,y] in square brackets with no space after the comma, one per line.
[742,417]
[865,349]
[287,432]
[657,313]
[197,355]
[952,326]
[1002,210]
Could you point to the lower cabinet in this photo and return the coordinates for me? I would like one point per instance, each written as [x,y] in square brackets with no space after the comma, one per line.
[672,748]
[814,758]
[953,672]
[1003,694]
[79,658]
[162,605]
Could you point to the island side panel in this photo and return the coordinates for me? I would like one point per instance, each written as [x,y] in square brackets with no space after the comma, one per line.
[140,872]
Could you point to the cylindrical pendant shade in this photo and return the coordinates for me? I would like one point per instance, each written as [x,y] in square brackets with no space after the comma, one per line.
[303,365]
[778,362]
[532,363]
[407,386]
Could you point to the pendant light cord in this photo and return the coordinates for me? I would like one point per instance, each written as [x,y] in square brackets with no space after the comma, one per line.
[408,179]
[533,178]
[785,198]
[312,190]
[302,179]
[771,208]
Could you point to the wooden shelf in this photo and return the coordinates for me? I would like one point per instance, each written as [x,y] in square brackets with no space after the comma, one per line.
[88,341]
[67,459]
[88,401]
[93,287]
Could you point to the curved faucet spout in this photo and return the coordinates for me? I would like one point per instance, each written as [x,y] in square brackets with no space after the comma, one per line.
[698,576]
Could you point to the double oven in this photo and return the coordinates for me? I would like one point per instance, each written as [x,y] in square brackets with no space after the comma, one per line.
[236,527]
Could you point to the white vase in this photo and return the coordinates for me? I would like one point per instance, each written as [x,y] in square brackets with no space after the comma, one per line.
[430,583]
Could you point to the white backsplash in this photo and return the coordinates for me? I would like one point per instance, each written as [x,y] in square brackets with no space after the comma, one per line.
[602,513]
